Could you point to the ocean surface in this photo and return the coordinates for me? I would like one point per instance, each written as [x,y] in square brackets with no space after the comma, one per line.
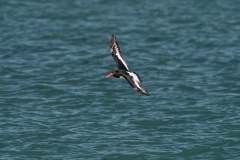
[55,102]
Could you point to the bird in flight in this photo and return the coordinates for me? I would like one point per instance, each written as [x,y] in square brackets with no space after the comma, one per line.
[123,71]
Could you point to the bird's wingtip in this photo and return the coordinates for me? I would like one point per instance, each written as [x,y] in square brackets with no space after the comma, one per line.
[147,94]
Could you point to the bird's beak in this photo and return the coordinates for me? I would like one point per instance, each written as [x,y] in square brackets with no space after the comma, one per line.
[109,75]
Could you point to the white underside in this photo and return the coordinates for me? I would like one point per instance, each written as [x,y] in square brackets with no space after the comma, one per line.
[121,77]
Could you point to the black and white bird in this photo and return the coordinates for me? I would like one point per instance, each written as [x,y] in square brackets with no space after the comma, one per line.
[123,71]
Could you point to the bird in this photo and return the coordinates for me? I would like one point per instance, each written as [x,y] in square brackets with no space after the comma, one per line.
[123,71]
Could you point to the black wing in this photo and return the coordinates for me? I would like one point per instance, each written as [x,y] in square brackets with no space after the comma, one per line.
[117,55]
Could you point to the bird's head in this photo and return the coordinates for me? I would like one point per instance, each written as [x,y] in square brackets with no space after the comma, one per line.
[113,73]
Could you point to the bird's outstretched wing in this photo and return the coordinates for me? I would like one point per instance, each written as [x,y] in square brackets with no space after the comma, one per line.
[134,80]
[117,55]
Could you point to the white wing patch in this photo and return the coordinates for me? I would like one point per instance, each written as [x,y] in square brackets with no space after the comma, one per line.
[135,77]
[119,56]
[138,86]
[136,80]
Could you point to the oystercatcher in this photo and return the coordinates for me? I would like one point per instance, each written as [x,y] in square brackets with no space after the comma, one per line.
[123,71]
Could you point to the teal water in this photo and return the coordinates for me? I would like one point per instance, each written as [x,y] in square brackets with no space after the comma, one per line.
[55,102]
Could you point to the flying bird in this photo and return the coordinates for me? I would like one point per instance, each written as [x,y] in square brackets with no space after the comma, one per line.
[123,71]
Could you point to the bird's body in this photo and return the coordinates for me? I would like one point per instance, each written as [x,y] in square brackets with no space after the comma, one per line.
[123,71]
